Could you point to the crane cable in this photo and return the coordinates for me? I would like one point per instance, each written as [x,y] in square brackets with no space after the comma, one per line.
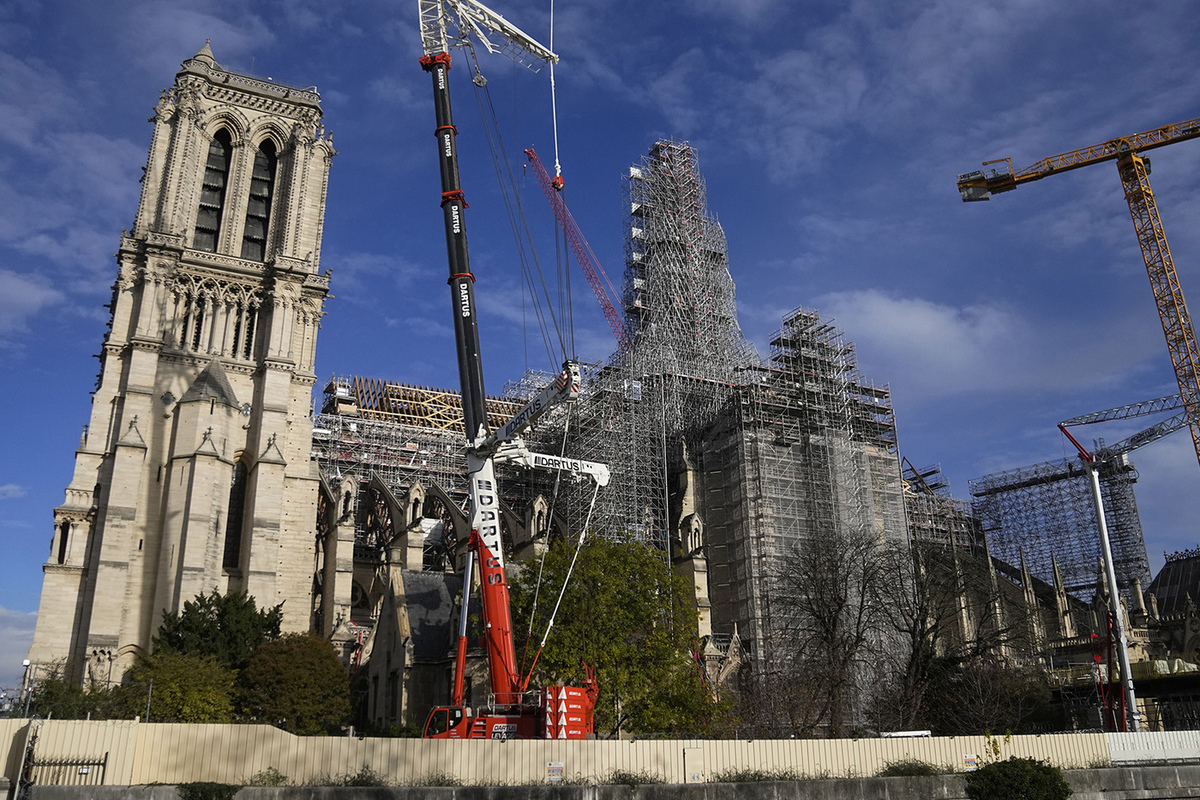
[516,214]
[537,587]
[564,272]
[563,590]
[554,98]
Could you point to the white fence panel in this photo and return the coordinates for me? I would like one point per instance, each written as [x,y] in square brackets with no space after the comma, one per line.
[1134,748]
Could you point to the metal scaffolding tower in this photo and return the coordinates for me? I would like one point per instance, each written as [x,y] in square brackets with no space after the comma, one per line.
[755,457]
[644,407]
[934,516]
[1045,511]
[805,450]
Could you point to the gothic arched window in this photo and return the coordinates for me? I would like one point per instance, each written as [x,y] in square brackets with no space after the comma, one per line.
[258,209]
[64,531]
[233,519]
[212,192]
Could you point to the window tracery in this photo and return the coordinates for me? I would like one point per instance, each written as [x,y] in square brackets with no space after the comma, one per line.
[212,192]
[258,206]
[215,315]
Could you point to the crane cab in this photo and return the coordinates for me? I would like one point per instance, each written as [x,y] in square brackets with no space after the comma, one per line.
[457,722]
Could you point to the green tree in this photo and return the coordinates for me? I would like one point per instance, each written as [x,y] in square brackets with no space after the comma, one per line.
[225,627]
[54,696]
[297,682]
[627,614]
[181,687]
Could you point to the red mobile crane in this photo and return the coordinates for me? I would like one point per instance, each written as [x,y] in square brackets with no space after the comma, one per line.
[561,712]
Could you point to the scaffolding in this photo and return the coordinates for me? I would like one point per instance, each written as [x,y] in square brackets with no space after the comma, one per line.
[934,517]
[642,409]
[761,455]
[805,450]
[403,434]
[1044,512]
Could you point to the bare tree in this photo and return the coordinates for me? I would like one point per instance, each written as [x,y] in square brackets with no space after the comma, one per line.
[966,644]
[832,624]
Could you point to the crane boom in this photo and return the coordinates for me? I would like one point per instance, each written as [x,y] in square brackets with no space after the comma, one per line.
[596,277]
[1134,170]
[1128,411]
[476,18]
[507,715]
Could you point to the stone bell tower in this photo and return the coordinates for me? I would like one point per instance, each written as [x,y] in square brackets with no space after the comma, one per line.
[194,471]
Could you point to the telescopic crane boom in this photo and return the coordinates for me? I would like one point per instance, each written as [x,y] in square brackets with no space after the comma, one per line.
[508,715]
[1135,171]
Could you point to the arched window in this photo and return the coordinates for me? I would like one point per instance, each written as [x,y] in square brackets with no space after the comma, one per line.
[258,209]
[233,519]
[212,192]
[64,531]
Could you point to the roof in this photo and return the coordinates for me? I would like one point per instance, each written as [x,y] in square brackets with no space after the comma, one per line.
[1178,580]
[430,599]
[211,384]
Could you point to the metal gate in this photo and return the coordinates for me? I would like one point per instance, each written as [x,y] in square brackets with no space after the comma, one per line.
[68,771]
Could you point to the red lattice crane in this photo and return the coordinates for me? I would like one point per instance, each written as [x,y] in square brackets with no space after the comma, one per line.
[596,277]
[1134,170]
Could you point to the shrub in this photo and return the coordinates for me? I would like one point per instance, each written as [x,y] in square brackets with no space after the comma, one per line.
[623,777]
[909,768]
[757,775]
[1018,779]
[206,790]
[438,779]
[268,777]
[364,777]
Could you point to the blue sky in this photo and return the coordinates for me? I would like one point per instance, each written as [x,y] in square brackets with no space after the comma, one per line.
[830,134]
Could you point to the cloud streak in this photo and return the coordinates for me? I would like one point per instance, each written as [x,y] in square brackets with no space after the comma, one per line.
[933,350]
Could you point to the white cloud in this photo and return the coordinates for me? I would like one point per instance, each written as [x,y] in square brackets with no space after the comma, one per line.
[1168,503]
[927,349]
[16,636]
[156,34]
[358,276]
[11,491]
[21,297]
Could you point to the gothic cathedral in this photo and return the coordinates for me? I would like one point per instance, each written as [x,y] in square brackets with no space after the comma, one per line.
[194,472]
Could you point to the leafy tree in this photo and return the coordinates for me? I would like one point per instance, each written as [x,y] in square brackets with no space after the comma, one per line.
[225,627]
[181,687]
[297,682]
[627,614]
[55,696]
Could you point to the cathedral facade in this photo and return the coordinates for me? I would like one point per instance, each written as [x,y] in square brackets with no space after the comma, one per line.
[194,473]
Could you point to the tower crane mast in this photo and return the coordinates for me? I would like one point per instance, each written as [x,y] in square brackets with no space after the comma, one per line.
[1134,170]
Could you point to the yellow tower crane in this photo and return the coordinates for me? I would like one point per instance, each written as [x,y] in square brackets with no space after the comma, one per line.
[1135,170]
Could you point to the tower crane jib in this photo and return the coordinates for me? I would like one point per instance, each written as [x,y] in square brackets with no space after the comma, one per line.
[1134,170]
